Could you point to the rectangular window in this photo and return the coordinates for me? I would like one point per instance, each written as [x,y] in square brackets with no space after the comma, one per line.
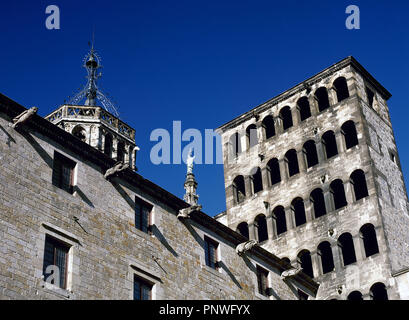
[262,281]
[63,172]
[142,215]
[370,95]
[142,290]
[56,254]
[211,247]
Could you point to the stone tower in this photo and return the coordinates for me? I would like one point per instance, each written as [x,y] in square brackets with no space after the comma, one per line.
[99,126]
[314,176]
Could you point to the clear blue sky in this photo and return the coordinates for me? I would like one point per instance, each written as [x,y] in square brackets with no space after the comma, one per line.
[201,62]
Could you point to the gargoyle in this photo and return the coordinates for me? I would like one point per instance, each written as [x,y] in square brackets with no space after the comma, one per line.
[185,213]
[291,272]
[23,117]
[117,168]
[242,248]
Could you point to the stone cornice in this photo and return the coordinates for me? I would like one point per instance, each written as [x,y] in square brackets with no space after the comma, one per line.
[302,86]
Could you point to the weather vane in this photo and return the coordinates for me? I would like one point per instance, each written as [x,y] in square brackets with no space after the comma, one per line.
[90,92]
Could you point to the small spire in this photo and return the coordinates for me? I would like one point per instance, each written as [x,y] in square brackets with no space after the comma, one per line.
[190,183]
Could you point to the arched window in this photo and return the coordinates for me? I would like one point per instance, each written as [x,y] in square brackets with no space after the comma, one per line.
[260,224]
[378,292]
[297,206]
[346,244]
[341,88]
[317,199]
[251,135]
[292,162]
[325,255]
[310,153]
[348,130]
[243,229]
[368,236]
[338,194]
[303,107]
[358,181]
[235,144]
[304,260]
[273,169]
[268,127]
[330,144]
[280,221]
[286,117]
[239,191]
[355,296]
[256,180]
[120,152]
[108,145]
[80,133]
[321,95]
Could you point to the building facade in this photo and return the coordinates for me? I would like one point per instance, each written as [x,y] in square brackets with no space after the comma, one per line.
[314,176]
[78,222]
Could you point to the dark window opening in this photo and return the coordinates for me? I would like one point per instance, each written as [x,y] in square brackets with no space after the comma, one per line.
[121,152]
[281,223]
[235,144]
[304,108]
[268,126]
[108,145]
[346,244]
[368,236]
[292,162]
[318,201]
[355,296]
[56,254]
[273,169]
[297,206]
[348,130]
[370,95]
[260,223]
[243,229]
[142,290]
[142,215]
[341,88]
[251,134]
[330,144]
[304,260]
[211,247]
[262,281]
[239,189]
[326,257]
[338,194]
[310,153]
[80,133]
[63,172]
[286,117]
[378,292]
[257,181]
[321,95]
[358,181]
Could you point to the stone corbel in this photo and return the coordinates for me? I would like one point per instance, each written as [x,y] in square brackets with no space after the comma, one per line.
[290,273]
[23,117]
[115,170]
[185,213]
[242,248]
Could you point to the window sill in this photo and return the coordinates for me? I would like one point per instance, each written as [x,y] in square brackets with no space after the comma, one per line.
[261,297]
[51,288]
[215,272]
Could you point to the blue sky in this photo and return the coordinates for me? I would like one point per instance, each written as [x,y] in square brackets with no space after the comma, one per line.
[200,62]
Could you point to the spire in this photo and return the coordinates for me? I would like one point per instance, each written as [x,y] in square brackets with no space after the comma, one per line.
[90,92]
[190,183]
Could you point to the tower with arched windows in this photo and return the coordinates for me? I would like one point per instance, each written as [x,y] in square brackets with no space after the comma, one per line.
[314,177]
